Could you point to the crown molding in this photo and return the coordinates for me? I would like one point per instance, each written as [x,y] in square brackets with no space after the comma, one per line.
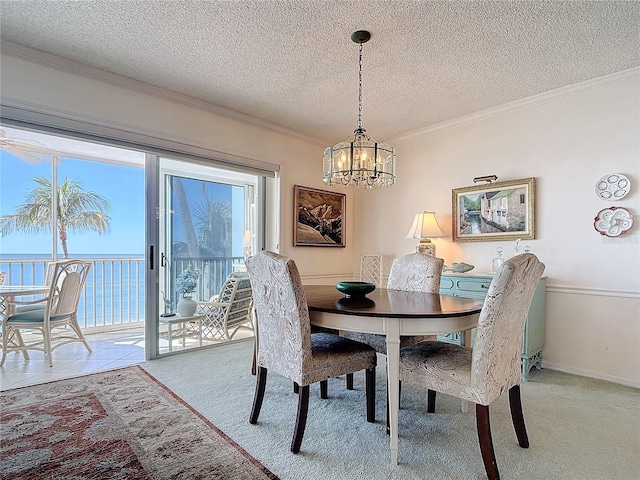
[76,68]
[529,102]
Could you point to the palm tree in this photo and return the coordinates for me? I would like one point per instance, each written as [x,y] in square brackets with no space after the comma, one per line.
[77,210]
[213,221]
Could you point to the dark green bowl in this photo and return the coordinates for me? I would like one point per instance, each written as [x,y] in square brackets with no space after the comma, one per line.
[355,289]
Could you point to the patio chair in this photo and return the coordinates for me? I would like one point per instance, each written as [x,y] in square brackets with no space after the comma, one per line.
[287,346]
[483,373]
[57,321]
[224,314]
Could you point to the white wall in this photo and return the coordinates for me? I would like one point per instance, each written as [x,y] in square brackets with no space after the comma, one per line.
[567,143]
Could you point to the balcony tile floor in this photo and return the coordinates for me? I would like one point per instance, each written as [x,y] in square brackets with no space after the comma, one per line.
[110,350]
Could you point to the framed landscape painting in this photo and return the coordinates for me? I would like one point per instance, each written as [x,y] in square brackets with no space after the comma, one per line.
[319,217]
[495,211]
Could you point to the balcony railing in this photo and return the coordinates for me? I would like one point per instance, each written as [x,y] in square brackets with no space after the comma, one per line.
[114,294]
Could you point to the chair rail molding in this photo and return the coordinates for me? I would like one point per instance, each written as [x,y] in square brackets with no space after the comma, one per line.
[595,292]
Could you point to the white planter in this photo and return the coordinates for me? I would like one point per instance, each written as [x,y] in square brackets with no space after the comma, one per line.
[187,307]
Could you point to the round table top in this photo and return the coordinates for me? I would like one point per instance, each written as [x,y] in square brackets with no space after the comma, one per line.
[389,303]
[19,290]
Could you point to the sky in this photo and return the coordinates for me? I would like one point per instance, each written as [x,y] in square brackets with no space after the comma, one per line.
[123,186]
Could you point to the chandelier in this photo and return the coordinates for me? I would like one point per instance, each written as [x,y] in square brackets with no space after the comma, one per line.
[360,160]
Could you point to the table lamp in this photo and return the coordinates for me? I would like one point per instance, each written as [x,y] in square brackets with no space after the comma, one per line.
[425,226]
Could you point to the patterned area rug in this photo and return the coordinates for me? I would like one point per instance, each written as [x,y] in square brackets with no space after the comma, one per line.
[121,424]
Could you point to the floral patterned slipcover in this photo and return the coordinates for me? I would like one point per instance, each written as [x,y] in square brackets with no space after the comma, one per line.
[482,373]
[414,272]
[286,345]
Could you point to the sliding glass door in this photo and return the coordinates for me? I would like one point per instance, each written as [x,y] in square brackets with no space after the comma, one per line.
[205,230]
[140,217]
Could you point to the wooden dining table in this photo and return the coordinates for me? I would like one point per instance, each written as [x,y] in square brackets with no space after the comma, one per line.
[393,313]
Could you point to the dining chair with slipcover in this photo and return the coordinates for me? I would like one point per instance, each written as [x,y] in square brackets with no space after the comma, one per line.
[287,346]
[224,314]
[482,373]
[57,321]
[414,272]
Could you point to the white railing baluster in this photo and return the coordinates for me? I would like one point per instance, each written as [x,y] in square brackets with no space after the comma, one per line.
[104,291]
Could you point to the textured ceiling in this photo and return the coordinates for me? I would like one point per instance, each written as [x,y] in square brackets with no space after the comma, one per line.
[292,63]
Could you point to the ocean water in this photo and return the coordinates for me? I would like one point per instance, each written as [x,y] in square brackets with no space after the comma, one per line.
[113,293]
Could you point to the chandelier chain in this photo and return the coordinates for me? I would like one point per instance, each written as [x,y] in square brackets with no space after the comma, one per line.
[360,88]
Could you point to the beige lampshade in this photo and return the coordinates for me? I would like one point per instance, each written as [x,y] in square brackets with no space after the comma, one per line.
[425,226]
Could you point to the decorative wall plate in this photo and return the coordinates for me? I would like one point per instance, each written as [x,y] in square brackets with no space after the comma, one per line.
[613,186]
[613,221]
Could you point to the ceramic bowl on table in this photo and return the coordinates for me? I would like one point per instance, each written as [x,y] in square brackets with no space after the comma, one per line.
[355,289]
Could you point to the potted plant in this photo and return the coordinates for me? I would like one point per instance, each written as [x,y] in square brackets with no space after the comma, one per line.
[186,286]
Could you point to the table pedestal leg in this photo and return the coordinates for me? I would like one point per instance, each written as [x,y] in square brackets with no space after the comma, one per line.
[392,329]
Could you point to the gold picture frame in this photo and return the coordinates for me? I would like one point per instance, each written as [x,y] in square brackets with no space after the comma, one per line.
[495,211]
[318,217]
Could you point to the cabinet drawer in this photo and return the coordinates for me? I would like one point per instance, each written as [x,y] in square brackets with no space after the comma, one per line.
[473,285]
[447,284]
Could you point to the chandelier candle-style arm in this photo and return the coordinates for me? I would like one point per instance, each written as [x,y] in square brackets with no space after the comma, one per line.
[425,226]
[360,160]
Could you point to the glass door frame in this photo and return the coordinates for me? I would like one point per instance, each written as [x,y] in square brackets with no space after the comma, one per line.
[158,169]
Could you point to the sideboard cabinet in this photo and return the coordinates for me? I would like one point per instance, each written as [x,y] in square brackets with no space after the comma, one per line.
[476,286]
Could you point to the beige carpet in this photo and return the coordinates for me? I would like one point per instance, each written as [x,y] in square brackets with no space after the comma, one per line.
[579,428]
[118,425]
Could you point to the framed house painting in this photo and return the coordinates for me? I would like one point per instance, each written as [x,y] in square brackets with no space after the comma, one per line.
[495,211]
[319,217]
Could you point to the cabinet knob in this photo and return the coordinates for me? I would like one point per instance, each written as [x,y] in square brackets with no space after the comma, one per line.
[482,285]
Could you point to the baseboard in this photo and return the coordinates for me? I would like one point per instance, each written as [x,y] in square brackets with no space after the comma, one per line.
[587,373]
